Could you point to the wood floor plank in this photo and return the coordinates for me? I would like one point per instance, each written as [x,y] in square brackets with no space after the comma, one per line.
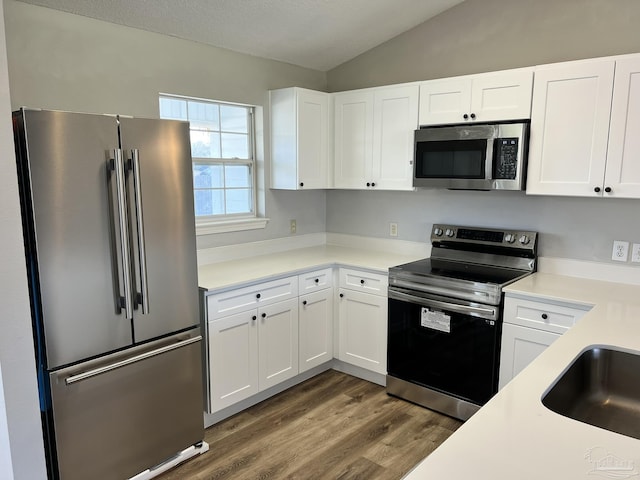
[331,426]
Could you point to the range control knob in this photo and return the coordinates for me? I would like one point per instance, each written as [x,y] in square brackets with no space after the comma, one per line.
[510,238]
[449,232]
[437,232]
[524,240]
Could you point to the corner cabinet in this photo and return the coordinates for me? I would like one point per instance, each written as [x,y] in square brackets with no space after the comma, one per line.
[373,134]
[530,325]
[299,139]
[584,120]
[362,319]
[495,96]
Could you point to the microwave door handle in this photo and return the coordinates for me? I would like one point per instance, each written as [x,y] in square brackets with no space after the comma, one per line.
[443,305]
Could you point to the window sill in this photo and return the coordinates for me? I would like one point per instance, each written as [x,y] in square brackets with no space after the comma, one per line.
[236,225]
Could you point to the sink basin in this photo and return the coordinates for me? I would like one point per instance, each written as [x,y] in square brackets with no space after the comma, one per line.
[601,388]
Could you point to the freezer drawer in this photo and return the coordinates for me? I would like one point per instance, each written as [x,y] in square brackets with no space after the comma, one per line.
[121,414]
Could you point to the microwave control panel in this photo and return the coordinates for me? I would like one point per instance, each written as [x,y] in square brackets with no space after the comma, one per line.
[505,166]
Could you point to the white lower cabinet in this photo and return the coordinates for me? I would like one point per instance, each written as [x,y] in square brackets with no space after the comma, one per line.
[277,343]
[530,325]
[362,320]
[520,347]
[315,329]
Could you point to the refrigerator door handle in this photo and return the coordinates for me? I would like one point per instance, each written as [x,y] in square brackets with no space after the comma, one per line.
[142,254]
[137,358]
[124,231]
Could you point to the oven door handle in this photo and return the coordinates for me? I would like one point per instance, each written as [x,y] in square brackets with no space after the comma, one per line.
[472,310]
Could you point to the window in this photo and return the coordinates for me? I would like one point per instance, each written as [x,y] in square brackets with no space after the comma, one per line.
[222,148]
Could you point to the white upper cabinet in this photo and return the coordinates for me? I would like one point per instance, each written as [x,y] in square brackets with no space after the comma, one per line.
[374,138]
[299,139]
[488,97]
[570,129]
[622,174]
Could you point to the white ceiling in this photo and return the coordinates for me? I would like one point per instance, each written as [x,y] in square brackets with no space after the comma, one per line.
[317,34]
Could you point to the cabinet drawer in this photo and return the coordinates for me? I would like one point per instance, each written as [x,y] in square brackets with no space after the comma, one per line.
[314,281]
[245,298]
[541,315]
[374,283]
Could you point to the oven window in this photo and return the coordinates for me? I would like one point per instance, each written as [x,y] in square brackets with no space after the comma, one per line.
[451,159]
[462,363]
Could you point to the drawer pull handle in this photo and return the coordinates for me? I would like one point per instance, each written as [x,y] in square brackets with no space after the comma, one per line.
[545,316]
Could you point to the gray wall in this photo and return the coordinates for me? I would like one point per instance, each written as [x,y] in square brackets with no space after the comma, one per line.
[21,447]
[68,62]
[486,35]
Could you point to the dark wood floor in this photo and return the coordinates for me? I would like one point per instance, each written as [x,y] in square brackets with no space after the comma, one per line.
[333,426]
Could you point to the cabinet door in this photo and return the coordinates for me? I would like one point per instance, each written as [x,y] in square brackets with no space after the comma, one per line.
[313,139]
[520,346]
[444,101]
[363,330]
[353,139]
[316,329]
[277,343]
[502,96]
[623,164]
[233,359]
[395,117]
[569,128]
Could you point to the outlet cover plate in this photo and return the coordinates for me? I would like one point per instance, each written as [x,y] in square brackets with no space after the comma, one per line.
[620,251]
[635,253]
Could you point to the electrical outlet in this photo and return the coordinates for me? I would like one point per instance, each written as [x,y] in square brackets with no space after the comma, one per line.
[620,251]
[635,253]
[293,227]
[393,229]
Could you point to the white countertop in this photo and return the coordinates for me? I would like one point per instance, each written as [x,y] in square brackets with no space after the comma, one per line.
[223,275]
[514,436]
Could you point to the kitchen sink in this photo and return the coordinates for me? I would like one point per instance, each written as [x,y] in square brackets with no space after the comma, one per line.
[601,388]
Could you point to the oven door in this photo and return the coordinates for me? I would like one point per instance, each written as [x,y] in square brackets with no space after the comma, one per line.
[447,345]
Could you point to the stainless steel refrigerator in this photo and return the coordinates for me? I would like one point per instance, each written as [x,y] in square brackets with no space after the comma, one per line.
[108,220]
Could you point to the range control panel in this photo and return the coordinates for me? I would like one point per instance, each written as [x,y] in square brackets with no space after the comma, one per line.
[521,239]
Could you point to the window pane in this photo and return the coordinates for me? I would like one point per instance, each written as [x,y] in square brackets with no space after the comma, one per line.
[234,119]
[237,176]
[207,176]
[173,108]
[209,202]
[205,144]
[235,145]
[204,116]
[239,201]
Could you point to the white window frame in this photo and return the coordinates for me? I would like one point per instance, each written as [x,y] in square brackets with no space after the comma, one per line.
[211,224]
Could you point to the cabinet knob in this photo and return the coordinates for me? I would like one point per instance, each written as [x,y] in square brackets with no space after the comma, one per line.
[607,189]
[317,280]
[465,116]
[473,115]
[264,315]
[362,282]
[368,184]
[545,316]
[597,189]
[302,184]
[254,318]
[304,302]
[373,184]
[341,295]
[258,296]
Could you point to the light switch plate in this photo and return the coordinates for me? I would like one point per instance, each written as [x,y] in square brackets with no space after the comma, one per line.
[635,253]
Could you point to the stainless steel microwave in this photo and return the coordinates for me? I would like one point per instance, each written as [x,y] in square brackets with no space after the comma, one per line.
[488,156]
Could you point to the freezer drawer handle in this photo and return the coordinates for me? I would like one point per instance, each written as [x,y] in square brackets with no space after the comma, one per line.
[142,254]
[124,231]
[129,361]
